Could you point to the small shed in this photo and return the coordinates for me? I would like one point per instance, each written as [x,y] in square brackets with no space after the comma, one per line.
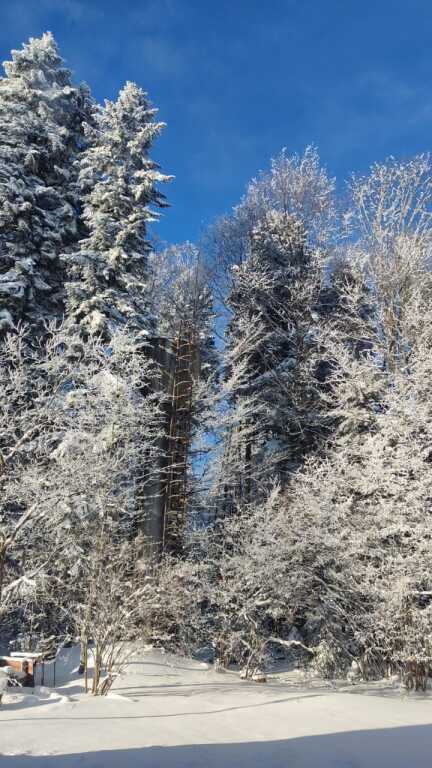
[23,665]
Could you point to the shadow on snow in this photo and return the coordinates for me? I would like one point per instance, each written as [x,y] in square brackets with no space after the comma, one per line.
[406,747]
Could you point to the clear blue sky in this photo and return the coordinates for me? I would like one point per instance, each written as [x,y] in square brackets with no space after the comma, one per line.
[237,80]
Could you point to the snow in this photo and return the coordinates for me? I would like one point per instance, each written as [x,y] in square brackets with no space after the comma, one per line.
[169,712]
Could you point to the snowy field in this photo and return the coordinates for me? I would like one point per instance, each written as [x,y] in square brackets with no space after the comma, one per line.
[167,712]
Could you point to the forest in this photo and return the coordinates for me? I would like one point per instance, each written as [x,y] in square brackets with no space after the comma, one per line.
[222,448]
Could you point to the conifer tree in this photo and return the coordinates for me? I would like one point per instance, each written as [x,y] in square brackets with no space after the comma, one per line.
[108,273]
[269,257]
[270,355]
[41,133]
[295,184]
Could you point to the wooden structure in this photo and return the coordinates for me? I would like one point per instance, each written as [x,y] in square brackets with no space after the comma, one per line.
[165,494]
[179,439]
[23,665]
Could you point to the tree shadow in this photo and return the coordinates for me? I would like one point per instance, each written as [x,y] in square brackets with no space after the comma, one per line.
[405,747]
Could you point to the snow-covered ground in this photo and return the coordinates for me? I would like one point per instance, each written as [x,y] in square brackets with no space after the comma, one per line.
[169,712]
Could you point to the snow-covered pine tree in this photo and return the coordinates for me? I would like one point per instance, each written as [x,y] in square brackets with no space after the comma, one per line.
[107,286]
[298,191]
[41,132]
[295,184]
[108,274]
[270,356]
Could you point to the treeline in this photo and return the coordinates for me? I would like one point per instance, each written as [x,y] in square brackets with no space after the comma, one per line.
[222,445]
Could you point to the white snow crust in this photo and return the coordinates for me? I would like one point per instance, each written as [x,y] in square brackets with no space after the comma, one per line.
[169,712]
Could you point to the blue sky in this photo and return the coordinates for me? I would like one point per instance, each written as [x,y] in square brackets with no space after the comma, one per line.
[237,80]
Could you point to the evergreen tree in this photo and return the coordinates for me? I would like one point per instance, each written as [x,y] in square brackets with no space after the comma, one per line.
[270,355]
[268,257]
[108,274]
[295,184]
[41,133]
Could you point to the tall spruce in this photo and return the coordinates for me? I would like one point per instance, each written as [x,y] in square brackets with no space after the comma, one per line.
[269,255]
[270,356]
[41,133]
[108,274]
